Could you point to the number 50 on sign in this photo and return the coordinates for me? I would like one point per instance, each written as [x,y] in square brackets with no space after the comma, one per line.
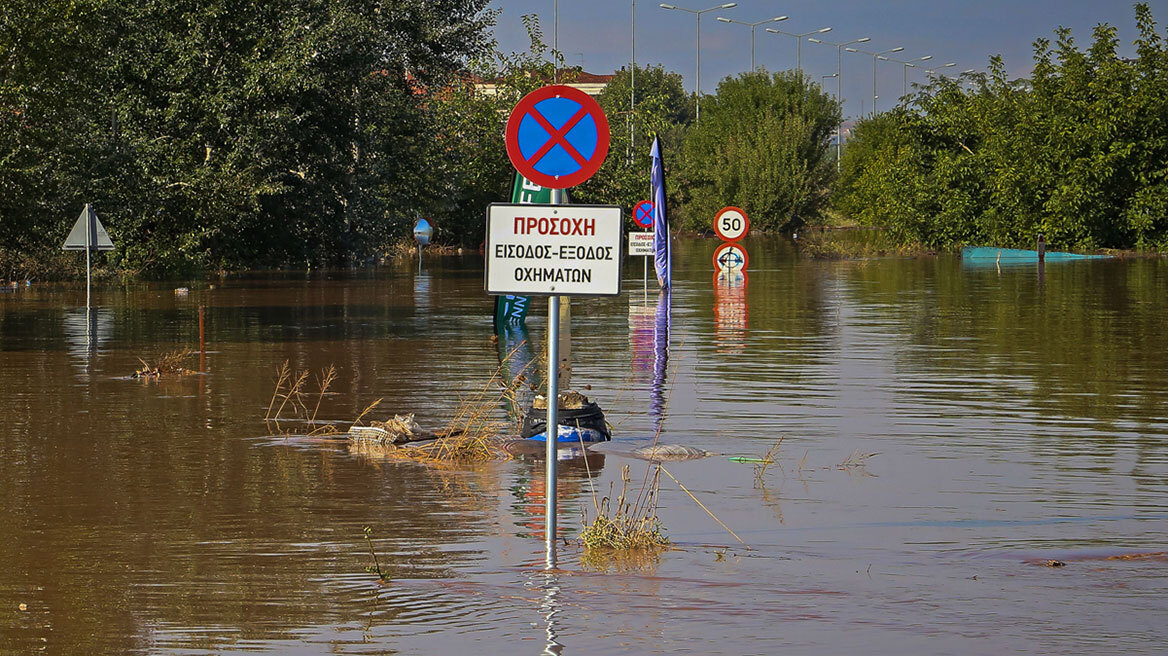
[731,223]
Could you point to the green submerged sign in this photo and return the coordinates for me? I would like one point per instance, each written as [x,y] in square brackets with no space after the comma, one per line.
[512,310]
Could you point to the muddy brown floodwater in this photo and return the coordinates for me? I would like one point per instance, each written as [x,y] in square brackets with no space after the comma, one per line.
[1018,420]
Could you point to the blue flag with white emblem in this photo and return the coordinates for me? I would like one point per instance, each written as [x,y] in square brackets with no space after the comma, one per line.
[662,259]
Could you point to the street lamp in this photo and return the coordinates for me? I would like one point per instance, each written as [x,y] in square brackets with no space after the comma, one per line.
[933,71]
[799,39]
[632,81]
[875,55]
[907,65]
[698,14]
[838,78]
[776,19]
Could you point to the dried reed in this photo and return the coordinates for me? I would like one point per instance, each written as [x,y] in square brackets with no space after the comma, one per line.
[169,364]
[632,525]
[291,393]
[474,433]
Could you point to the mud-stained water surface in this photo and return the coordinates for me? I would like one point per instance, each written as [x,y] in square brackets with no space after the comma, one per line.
[1017,501]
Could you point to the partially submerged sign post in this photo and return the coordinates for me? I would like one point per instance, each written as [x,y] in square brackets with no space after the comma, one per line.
[730,224]
[88,234]
[557,137]
[641,243]
[423,231]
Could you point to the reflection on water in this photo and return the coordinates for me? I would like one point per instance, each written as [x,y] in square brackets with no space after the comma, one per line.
[731,311]
[662,324]
[86,330]
[1017,420]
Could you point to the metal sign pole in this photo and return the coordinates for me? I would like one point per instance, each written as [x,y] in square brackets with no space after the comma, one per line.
[646,263]
[552,427]
[90,237]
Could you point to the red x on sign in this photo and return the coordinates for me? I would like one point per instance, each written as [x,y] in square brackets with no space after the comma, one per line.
[557,136]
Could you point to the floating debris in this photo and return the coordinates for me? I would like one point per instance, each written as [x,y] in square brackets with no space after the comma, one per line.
[168,365]
[399,430]
[671,452]
[1152,555]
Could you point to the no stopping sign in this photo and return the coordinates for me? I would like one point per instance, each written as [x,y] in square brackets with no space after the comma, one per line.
[557,136]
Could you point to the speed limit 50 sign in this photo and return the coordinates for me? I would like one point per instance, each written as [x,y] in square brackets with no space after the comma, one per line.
[731,223]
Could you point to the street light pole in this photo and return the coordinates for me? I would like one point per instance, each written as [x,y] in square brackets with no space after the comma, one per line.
[907,65]
[933,71]
[799,41]
[632,81]
[698,15]
[839,60]
[875,56]
[776,19]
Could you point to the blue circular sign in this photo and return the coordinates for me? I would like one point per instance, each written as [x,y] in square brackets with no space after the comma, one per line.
[643,214]
[557,136]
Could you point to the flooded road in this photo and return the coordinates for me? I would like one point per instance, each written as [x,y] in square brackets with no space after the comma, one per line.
[1016,420]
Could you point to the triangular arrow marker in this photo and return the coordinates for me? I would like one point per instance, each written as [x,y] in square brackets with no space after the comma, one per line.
[99,239]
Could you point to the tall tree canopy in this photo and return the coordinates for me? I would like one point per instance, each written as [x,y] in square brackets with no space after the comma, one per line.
[762,144]
[1079,152]
[216,133]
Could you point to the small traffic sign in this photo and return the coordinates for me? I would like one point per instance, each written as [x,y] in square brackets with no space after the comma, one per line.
[730,257]
[641,243]
[423,231]
[643,214]
[557,136]
[731,223]
[88,233]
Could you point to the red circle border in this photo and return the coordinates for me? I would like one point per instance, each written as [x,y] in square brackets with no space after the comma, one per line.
[718,216]
[527,104]
[726,245]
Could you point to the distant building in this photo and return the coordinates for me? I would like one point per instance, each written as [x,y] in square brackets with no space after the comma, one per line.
[590,83]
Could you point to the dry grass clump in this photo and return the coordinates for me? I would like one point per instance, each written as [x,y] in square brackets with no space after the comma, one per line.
[170,364]
[633,525]
[473,434]
[293,394]
[857,460]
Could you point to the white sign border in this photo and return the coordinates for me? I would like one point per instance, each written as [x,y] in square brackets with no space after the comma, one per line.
[487,251]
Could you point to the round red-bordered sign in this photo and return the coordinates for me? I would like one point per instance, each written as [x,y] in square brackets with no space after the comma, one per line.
[731,223]
[643,214]
[730,257]
[557,136]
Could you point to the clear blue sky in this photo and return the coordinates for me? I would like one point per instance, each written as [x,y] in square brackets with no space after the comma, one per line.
[595,34]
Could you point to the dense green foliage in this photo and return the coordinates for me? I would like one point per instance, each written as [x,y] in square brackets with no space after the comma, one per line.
[1079,152]
[469,120]
[659,108]
[220,133]
[761,144]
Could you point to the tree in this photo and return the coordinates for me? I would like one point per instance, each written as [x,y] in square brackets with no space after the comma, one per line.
[214,134]
[661,108]
[468,153]
[1076,153]
[761,144]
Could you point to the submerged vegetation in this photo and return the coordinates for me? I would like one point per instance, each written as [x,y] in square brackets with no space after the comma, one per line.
[854,244]
[168,365]
[633,523]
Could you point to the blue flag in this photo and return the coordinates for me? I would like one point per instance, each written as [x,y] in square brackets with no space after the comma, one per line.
[662,259]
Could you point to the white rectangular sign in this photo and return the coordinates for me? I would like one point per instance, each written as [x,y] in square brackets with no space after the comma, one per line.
[641,243]
[562,250]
